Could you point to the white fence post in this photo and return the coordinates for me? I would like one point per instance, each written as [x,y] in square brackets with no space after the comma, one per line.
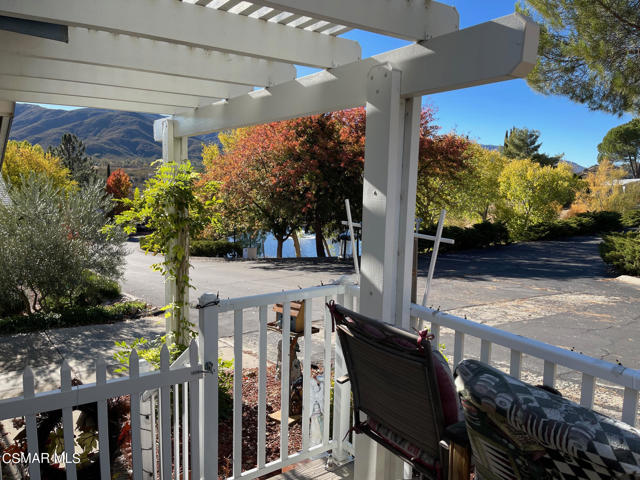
[208,402]
[146,434]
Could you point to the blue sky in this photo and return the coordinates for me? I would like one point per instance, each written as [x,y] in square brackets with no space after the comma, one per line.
[485,113]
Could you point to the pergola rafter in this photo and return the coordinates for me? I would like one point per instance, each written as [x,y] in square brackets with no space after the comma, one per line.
[124,51]
[185,24]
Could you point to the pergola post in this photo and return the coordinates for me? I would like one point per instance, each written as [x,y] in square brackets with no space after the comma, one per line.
[391,162]
[175,149]
[6,117]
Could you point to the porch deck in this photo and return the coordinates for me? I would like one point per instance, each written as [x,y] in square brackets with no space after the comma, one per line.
[315,470]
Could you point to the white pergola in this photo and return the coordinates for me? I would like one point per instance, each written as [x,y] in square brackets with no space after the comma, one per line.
[200,61]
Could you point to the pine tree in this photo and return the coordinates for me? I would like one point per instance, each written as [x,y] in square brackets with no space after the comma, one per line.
[521,143]
[72,152]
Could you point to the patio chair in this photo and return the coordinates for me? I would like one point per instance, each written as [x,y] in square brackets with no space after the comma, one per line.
[400,384]
[518,431]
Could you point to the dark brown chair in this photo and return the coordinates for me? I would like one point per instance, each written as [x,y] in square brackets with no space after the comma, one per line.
[394,381]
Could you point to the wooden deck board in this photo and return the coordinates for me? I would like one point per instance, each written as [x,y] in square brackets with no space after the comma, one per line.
[315,470]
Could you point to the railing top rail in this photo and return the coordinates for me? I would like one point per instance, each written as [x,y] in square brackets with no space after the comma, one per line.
[619,374]
[209,300]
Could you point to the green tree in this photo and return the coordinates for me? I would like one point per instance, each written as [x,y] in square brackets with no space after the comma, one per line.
[50,239]
[533,193]
[589,51]
[522,143]
[72,152]
[23,159]
[621,144]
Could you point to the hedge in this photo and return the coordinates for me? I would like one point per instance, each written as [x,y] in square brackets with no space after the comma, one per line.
[622,251]
[70,317]
[588,223]
[214,248]
[480,235]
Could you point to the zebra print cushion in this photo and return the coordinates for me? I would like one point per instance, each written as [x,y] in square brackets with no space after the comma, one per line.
[518,431]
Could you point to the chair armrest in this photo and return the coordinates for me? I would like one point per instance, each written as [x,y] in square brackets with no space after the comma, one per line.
[343,379]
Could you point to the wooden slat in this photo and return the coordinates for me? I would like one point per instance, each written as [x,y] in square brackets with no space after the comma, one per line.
[262,385]
[284,385]
[630,406]
[587,390]
[458,348]
[185,431]
[485,351]
[194,410]
[103,422]
[136,444]
[28,385]
[176,431]
[549,374]
[67,422]
[306,376]
[165,418]
[328,345]
[237,392]
[515,367]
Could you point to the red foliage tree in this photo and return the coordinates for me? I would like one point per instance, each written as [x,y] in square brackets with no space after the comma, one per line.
[118,186]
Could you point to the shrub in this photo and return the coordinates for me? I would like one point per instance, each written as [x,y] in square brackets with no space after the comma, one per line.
[214,248]
[588,223]
[631,219]
[94,290]
[480,235]
[622,251]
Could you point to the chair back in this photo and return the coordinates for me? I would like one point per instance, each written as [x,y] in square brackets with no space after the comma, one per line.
[518,431]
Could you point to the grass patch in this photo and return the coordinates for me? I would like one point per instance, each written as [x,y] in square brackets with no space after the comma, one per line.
[70,317]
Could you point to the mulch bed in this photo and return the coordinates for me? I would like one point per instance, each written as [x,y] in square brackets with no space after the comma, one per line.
[250,425]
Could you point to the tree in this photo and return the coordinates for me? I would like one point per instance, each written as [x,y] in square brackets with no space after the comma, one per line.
[589,51]
[51,237]
[533,193]
[72,152]
[602,189]
[23,159]
[119,187]
[621,144]
[522,143]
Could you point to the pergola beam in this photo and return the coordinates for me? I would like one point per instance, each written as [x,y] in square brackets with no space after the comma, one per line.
[185,24]
[75,101]
[498,50]
[41,85]
[411,20]
[116,77]
[123,51]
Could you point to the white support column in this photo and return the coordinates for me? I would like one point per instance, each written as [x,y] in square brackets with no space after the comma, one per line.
[391,162]
[174,149]
[6,117]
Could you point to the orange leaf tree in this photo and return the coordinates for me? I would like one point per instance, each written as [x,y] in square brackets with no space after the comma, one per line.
[119,186]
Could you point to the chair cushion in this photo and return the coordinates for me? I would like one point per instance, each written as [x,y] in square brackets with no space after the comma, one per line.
[451,407]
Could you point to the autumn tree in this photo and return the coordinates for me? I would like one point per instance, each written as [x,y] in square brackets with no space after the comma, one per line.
[119,187]
[72,152]
[23,159]
[621,144]
[533,193]
[522,143]
[589,51]
[603,191]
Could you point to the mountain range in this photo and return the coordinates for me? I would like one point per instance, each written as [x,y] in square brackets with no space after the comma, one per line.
[123,137]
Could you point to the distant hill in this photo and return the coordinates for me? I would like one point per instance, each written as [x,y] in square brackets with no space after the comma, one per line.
[123,138]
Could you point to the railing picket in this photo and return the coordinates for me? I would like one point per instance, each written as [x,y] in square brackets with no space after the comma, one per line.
[458,349]
[485,351]
[306,375]
[194,412]
[435,331]
[136,443]
[176,431]
[208,401]
[587,390]
[154,434]
[237,393]
[185,431]
[515,366]
[28,385]
[262,386]
[285,385]
[327,373]
[630,406]
[549,374]
[341,405]
[103,422]
[165,418]
[67,423]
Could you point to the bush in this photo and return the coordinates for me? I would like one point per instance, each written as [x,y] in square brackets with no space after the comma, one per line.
[622,251]
[588,223]
[94,290]
[70,317]
[480,235]
[214,248]
[631,219]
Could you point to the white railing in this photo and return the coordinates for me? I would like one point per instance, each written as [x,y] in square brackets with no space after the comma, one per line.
[590,369]
[142,414]
[211,310]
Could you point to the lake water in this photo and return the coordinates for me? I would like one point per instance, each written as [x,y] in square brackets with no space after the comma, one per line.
[307,247]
